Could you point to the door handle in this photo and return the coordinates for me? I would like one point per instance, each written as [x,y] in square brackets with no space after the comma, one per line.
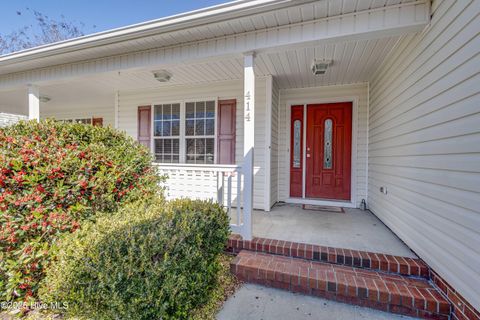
[308,155]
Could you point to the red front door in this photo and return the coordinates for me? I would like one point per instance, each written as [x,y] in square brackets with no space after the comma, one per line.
[328,151]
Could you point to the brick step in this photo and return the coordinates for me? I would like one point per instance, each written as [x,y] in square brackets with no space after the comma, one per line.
[355,258]
[394,293]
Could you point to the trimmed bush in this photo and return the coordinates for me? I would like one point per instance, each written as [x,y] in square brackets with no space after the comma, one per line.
[152,260]
[53,176]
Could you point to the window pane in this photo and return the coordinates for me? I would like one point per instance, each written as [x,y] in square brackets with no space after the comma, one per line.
[190,158]
[210,109]
[200,127]
[167,158]
[191,146]
[210,127]
[158,146]
[209,150]
[158,128]
[167,111]
[175,146]
[166,128]
[176,111]
[167,150]
[190,127]
[190,110]
[327,148]
[158,112]
[167,145]
[200,109]
[176,128]
[200,146]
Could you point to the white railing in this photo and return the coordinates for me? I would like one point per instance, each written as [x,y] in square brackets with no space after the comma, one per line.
[221,183]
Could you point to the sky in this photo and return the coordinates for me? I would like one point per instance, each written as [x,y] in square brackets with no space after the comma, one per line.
[104,14]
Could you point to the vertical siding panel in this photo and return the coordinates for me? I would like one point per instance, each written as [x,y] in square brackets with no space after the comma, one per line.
[424,144]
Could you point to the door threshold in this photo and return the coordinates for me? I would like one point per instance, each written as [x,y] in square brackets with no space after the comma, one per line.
[333,203]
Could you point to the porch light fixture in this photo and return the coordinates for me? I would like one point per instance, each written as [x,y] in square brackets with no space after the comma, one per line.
[162,75]
[44,99]
[320,66]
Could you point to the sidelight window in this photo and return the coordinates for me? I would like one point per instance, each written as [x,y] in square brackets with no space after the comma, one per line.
[327,147]
[297,135]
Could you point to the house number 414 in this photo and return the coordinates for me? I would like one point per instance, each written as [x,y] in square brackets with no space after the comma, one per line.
[247,107]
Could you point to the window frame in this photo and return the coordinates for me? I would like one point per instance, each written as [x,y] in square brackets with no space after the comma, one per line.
[183,136]
[152,132]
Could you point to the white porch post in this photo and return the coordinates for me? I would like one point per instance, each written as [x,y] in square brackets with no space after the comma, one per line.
[248,144]
[33,103]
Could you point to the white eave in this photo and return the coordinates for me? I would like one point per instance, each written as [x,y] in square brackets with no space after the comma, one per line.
[192,19]
[223,30]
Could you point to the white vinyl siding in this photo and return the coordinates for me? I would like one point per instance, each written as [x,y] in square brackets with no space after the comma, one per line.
[358,91]
[130,100]
[424,144]
[83,111]
[274,144]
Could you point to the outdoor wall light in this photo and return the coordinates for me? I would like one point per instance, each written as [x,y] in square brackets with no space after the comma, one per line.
[320,66]
[162,75]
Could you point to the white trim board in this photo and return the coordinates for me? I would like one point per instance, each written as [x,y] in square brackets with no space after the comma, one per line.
[332,203]
[268,141]
[353,168]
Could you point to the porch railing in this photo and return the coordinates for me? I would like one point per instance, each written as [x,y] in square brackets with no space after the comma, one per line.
[220,183]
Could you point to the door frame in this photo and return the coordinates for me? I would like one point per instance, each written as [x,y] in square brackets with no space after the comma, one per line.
[353,189]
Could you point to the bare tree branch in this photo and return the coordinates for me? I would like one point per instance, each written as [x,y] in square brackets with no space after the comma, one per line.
[46,30]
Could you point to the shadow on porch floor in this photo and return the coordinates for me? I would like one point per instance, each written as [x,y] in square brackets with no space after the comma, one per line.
[354,229]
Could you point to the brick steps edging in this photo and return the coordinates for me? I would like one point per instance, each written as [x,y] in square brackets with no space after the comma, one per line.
[386,292]
[354,258]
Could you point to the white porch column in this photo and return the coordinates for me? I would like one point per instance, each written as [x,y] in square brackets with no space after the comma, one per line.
[33,103]
[248,144]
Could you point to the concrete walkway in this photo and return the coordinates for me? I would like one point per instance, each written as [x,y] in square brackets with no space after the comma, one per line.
[253,302]
[354,229]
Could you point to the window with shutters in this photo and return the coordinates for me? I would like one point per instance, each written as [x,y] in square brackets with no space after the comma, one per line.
[185,132]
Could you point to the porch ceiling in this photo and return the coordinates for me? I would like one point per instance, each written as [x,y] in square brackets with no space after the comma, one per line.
[208,23]
[352,62]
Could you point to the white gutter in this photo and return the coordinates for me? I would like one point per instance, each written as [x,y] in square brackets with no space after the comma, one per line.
[177,22]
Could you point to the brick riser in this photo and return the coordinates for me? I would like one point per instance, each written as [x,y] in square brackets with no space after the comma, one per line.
[386,292]
[354,258]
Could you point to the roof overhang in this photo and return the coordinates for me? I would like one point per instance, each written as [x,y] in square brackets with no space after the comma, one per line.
[223,30]
[192,19]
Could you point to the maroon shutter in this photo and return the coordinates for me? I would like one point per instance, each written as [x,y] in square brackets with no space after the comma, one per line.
[226,131]
[144,125]
[97,122]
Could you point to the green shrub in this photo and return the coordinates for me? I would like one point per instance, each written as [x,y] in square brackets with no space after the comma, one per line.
[53,176]
[154,260]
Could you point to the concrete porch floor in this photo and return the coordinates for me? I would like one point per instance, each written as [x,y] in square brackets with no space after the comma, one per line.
[354,229]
